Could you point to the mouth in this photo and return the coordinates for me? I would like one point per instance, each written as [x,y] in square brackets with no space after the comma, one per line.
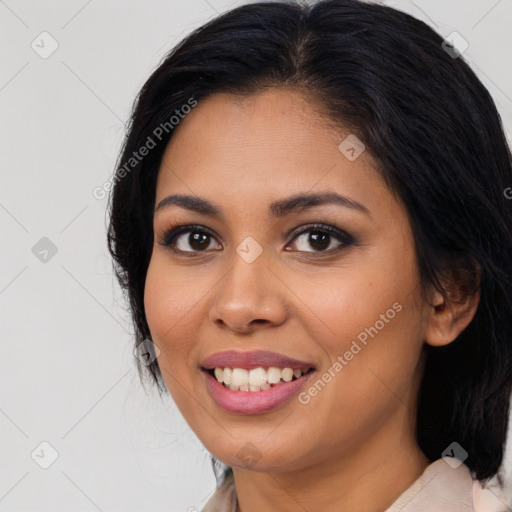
[255,390]
[254,382]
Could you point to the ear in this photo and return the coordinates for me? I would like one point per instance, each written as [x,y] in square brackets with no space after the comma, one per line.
[450,314]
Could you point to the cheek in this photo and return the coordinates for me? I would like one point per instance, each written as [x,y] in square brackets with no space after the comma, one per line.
[170,298]
[370,315]
[345,301]
[171,307]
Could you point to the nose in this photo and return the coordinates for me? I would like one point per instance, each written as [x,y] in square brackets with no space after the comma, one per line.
[249,297]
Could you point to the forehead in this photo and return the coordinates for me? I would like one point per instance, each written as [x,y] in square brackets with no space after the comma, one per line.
[252,124]
[262,147]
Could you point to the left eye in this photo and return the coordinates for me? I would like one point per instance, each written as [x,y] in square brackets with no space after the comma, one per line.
[320,237]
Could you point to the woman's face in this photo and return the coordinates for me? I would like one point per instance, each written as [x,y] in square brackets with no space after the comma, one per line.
[347,303]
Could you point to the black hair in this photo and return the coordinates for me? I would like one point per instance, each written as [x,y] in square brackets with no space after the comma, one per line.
[439,142]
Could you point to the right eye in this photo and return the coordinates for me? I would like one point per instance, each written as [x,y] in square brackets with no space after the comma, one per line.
[199,239]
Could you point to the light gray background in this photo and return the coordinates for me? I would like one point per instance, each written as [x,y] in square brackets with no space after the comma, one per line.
[67,370]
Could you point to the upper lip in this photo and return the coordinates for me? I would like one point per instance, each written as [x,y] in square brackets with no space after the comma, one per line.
[252,359]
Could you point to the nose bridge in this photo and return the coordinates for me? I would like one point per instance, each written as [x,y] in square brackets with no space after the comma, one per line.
[248,291]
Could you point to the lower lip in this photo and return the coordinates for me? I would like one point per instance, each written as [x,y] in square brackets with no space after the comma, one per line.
[253,402]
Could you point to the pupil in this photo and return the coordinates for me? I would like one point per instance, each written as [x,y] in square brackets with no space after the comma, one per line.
[314,237]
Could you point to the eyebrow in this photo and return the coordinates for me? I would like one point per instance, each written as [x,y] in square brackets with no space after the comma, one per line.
[281,208]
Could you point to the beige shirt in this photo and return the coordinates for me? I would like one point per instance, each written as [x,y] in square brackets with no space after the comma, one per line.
[440,488]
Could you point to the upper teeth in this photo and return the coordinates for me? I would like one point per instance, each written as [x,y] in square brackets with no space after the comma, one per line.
[257,377]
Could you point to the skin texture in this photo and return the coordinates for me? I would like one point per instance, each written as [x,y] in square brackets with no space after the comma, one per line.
[352,447]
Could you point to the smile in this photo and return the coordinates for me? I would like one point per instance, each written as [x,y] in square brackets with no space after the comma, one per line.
[270,396]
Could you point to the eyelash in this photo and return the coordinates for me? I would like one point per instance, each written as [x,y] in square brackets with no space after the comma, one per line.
[174,230]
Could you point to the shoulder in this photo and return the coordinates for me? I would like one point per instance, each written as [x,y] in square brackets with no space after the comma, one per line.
[442,486]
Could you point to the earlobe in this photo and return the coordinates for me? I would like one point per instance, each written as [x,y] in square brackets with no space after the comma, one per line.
[447,319]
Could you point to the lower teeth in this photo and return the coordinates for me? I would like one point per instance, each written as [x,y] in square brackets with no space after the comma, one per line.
[271,385]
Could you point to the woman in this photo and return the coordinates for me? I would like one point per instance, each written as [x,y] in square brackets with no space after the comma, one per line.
[310,221]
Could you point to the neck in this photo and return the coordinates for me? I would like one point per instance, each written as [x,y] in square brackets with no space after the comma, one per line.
[367,481]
